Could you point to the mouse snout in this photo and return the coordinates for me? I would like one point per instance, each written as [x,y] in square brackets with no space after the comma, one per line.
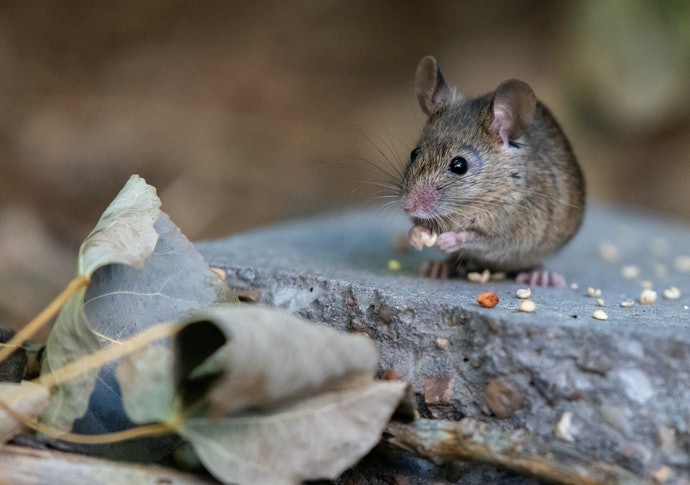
[421,201]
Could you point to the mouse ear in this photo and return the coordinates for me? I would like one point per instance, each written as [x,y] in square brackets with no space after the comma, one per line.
[432,91]
[513,108]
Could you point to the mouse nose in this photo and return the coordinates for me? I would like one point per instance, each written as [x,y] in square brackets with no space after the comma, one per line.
[421,201]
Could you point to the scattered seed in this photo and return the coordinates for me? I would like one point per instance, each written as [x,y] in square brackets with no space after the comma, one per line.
[660,247]
[646,284]
[630,271]
[476,277]
[527,306]
[563,428]
[498,276]
[574,286]
[609,252]
[627,303]
[600,315]
[660,270]
[672,293]
[488,299]
[593,292]
[647,296]
[524,293]
[601,302]
[394,265]
[442,343]
[429,240]
[682,263]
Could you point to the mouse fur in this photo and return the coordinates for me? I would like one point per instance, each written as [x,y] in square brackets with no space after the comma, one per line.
[493,176]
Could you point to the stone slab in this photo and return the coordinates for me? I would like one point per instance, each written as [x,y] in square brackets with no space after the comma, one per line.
[626,380]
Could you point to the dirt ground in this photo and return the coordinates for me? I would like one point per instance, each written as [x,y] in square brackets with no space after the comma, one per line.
[245,113]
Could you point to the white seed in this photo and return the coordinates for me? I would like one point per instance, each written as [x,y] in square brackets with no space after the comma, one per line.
[593,292]
[394,265]
[660,247]
[574,286]
[527,306]
[630,271]
[476,277]
[498,276]
[442,343]
[600,302]
[429,240]
[672,293]
[682,263]
[660,270]
[600,315]
[524,293]
[646,284]
[627,303]
[609,252]
[563,428]
[647,296]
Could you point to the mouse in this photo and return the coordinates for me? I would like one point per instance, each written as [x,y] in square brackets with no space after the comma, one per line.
[492,181]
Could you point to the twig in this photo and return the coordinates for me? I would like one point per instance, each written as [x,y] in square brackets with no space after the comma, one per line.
[468,439]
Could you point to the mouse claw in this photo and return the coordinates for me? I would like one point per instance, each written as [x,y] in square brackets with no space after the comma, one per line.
[541,278]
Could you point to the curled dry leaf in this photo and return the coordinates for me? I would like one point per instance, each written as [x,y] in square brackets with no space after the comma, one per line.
[266,396]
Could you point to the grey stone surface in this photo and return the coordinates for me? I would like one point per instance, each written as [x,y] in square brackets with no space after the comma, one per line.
[625,380]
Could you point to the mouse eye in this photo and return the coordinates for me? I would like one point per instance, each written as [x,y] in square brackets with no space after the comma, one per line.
[414,154]
[459,166]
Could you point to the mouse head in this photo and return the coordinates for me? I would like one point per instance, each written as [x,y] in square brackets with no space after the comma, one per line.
[462,146]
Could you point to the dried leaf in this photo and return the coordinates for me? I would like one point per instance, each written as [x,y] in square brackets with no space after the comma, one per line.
[121,300]
[26,398]
[316,437]
[146,380]
[272,356]
[124,234]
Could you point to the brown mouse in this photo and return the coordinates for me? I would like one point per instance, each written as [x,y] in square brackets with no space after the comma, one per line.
[494,178]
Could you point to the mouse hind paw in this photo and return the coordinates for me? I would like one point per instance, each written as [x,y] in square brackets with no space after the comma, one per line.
[542,278]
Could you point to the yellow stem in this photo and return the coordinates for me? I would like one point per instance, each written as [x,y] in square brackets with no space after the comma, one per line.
[42,318]
[148,430]
[103,356]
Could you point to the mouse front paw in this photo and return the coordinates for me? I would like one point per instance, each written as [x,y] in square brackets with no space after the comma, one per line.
[420,236]
[449,242]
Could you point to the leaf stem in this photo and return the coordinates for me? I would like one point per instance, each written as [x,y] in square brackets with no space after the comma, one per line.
[44,317]
[148,430]
[105,355]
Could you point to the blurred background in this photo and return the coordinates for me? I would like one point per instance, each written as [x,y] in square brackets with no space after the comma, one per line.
[247,113]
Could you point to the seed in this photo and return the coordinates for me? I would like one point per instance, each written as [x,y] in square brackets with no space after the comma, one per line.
[527,306]
[563,428]
[647,296]
[600,302]
[630,271]
[609,252]
[672,293]
[498,276]
[488,299]
[593,293]
[682,263]
[646,284]
[429,240]
[574,286]
[394,265]
[524,293]
[442,343]
[627,303]
[600,315]
[476,277]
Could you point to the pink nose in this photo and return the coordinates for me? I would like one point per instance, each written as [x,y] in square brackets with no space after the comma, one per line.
[421,201]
